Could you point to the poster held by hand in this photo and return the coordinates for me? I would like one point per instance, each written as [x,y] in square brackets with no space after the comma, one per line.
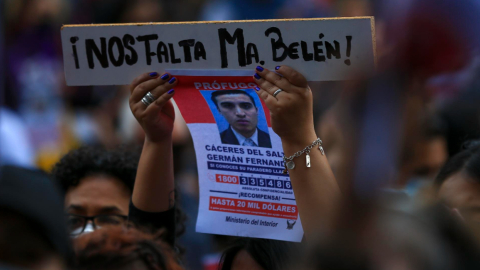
[243,190]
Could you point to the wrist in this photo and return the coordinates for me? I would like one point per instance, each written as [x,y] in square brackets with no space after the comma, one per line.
[160,142]
[294,144]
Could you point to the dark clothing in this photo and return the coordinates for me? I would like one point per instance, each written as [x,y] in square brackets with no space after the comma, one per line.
[155,221]
[228,137]
[32,194]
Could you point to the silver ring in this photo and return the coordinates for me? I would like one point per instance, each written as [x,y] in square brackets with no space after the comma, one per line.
[145,101]
[150,96]
[148,99]
[277,92]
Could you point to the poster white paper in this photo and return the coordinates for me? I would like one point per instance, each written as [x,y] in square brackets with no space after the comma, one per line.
[321,49]
[243,191]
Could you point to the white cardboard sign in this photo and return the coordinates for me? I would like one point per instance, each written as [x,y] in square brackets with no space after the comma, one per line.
[321,49]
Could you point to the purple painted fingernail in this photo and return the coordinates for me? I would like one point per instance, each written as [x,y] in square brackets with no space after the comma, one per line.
[165,76]
[259,68]
[172,80]
[257,88]
[153,74]
[277,67]
[257,76]
[171,91]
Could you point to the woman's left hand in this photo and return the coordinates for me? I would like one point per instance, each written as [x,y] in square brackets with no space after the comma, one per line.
[157,118]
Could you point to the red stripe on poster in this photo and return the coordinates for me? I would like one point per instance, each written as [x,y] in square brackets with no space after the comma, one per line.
[257,208]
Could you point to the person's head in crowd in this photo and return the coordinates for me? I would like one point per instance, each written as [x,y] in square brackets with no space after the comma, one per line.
[119,248]
[354,8]
[97,184]
[32,225]
[257,254]
[143,11]
[458,184]
[424,157]
[238,108]
[383,237]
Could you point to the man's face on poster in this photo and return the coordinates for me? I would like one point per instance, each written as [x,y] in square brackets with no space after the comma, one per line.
[240,113]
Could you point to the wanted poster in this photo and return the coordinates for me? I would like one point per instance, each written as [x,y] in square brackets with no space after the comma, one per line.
[243,191]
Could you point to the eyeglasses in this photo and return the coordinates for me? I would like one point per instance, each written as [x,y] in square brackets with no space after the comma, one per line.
[77,223]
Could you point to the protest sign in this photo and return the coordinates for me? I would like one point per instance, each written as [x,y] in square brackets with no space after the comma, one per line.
[321,49]
[243,191]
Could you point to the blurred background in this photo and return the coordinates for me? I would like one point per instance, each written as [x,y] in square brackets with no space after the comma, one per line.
[404,123]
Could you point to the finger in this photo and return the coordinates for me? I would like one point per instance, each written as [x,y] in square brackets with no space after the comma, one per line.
[163,88]
[269,100]
[142,78]
[276,79]
[160,103]
[293,76]
[264,84]
[147,86]
[156,93]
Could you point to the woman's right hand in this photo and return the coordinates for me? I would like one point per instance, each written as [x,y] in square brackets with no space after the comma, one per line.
[291,111]
[316,191]
[157,118]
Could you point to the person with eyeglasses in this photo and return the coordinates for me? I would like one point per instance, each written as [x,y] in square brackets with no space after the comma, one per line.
[117,187]
[98,184]
[78,224]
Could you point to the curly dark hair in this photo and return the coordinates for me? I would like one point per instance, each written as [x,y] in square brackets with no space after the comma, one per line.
[269,254]
[120,163]
[118,248]
[467,160]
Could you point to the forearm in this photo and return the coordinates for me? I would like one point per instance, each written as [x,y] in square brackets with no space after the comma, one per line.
[154,184]
[316,190]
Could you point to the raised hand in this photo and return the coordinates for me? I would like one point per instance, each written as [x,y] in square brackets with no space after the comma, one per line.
[150,104]
[291,109]
[157,118]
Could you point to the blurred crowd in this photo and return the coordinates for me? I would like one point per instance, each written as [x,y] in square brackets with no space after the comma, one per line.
[393,140]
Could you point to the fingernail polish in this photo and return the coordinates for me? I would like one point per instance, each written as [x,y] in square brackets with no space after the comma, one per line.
[164,76]
[259,68]
[277,67]
[257,88]
[172,80]
[153,74]
[171,91]
[257,76]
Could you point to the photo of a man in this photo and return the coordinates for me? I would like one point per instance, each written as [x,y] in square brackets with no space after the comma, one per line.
[239,110]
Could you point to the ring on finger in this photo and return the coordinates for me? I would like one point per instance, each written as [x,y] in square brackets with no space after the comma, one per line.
[277,92]
[149,95]
[148,99]
[145,101]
